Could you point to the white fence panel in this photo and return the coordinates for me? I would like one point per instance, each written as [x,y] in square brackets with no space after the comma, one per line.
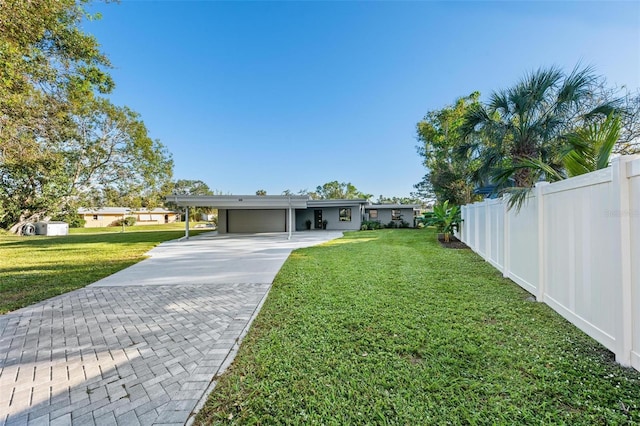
[578,273]
[522,245]
[495,240]
[633,174]
[481,230]
[575,245]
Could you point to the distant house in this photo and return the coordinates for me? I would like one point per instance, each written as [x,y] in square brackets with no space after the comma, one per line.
[281,213]
[106,216]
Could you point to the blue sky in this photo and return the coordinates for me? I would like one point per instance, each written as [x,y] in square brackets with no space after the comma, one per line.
[290,95]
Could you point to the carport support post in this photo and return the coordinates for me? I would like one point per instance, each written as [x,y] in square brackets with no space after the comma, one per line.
[186,224]
[290,219]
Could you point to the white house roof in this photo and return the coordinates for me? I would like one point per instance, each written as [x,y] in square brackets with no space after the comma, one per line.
[122,210]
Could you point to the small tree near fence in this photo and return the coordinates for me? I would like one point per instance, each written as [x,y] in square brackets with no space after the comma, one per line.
[446,219]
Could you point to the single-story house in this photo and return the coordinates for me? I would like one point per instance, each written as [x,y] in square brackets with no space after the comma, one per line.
[106,216]
[282,213]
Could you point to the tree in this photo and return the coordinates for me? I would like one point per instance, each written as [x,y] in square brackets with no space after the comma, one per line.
[629,140]
[424,191]
[60,142]
[337,190]
[586,150]
[261,192]
[190,187]
[440,135]
[527,125]
[398,200]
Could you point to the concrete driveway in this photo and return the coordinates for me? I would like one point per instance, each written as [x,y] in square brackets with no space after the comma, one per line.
[144,345]
[217,259]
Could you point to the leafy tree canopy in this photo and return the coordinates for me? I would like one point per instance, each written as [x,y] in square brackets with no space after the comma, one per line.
[337,190]
[61,143]
[440,135]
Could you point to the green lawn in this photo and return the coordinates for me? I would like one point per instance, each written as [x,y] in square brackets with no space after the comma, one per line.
[387,327]
[37,268]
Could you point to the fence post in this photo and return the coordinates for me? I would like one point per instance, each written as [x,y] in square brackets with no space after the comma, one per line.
[621,213]
[505,238]
[487,229]
[541,242]
[463,214]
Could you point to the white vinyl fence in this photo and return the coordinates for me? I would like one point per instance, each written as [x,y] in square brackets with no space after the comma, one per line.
[575,245]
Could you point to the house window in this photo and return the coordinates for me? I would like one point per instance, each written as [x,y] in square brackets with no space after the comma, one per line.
[345,215]
[395,215]
[95,217]
[373,214]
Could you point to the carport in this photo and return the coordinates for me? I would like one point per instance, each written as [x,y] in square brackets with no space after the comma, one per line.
[247,213]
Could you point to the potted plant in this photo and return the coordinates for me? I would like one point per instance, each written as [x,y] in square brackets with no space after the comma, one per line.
[324,224]
[308,224]
[446,219]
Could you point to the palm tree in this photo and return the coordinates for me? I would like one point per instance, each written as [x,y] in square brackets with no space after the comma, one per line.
[519,136]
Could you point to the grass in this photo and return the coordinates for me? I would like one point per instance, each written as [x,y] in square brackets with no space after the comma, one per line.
[37,268]
[387,327]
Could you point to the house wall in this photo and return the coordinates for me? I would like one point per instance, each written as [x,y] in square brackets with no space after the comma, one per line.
[574,245]
[332,216]
[102,221]
[301,217]
[155,218]
[222,221]
[107,219]
[384,216]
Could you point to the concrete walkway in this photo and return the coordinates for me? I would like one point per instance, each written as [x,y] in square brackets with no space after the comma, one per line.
[144,345]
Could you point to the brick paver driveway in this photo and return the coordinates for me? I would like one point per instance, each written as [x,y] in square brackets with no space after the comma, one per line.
[144,345]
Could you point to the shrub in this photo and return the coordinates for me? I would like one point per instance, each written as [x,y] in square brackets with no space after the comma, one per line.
[371,225]
[391,224]
[72,218]
[128,221]
[446,219]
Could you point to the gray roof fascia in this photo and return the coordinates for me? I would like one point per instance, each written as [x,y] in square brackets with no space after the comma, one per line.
[337,202]
[243,202]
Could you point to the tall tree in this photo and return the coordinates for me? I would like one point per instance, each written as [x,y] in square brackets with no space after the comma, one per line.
[190,187]
[440,135]
[60,141]
[338,190]
[527,124]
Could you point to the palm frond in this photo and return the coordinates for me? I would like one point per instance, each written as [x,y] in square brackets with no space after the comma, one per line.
[516,197]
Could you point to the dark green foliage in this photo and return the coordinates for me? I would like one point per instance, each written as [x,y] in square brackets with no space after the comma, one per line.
[128,221]
[61,141]
[440,135]
[72,218]
[520,136]
[371,224]
[445,218]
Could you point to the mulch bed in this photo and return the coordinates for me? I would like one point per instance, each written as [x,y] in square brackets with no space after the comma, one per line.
[453,243]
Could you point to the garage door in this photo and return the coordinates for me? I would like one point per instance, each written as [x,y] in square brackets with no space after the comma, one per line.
[256,220]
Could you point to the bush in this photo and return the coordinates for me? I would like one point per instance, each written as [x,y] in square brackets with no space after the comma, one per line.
[72,218]
[128,221]
[391,225]
[371,225]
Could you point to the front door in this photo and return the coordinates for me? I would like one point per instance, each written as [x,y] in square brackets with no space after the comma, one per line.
[317,216]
